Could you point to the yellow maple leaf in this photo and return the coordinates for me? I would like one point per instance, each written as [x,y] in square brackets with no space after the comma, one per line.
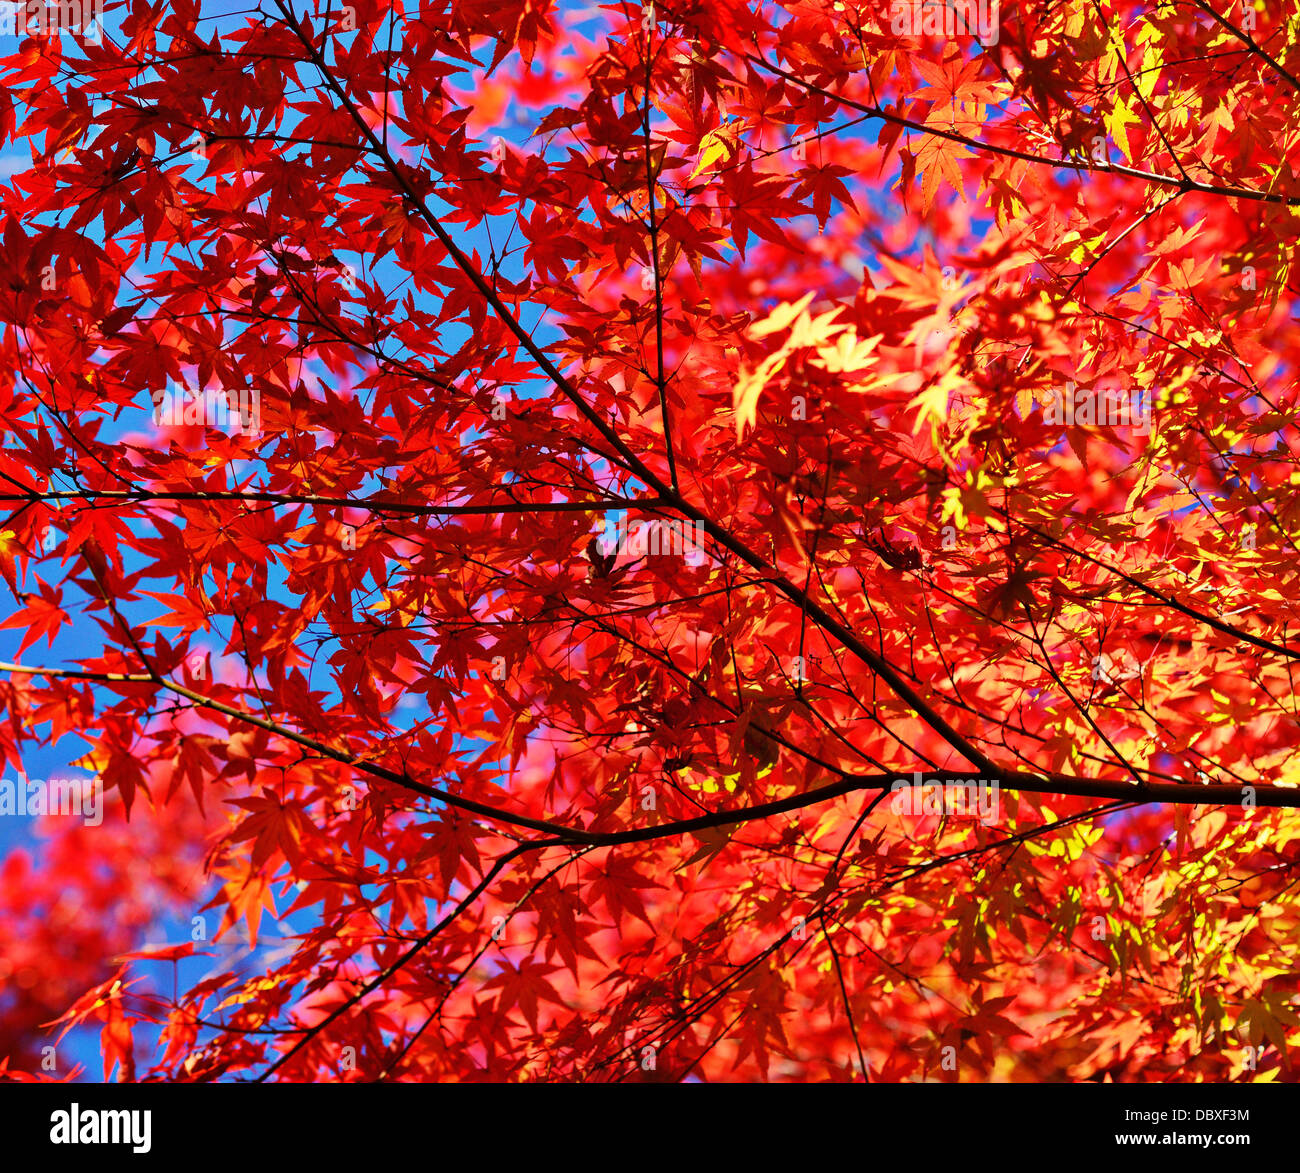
[933,404]
[780,318]
[718,144]
[1119,117]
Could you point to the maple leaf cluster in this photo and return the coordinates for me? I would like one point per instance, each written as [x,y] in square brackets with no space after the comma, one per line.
[412,774]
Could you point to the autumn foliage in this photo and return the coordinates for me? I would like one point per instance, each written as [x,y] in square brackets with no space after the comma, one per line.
[409,775]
